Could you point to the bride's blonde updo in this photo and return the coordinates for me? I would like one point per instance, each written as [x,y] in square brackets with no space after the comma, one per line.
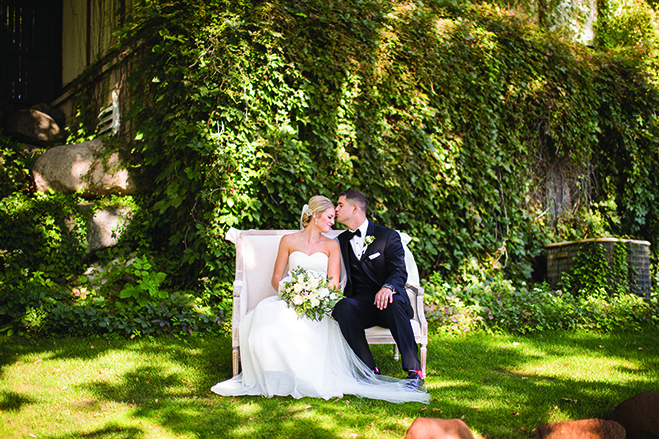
[318,205]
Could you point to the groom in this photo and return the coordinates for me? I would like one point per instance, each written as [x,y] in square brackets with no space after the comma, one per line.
[374,260]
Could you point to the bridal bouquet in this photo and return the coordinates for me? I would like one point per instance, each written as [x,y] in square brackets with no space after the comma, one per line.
[308,293]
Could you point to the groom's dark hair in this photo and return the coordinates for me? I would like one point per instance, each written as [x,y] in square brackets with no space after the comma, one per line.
[356,197]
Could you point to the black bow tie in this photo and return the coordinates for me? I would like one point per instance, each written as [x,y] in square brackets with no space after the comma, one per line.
[355,233]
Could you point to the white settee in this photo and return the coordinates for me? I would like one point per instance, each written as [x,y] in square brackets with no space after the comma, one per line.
[256,251]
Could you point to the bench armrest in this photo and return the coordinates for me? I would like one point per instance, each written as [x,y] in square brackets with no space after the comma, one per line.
[416,293]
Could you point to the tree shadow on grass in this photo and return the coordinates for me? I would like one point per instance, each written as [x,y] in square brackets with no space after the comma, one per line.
[179,399]
[463,382]
[13,401]
[499,384]
[109,432]
[505,386]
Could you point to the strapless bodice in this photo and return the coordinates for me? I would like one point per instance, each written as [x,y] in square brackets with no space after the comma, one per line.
[316,262]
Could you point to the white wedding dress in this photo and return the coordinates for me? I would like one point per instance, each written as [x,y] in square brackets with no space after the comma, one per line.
[283,354]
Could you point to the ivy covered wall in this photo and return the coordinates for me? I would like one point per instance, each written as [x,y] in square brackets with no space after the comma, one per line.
[478,134]
[471,130]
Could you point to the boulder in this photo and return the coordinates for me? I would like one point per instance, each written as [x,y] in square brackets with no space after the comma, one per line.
[639,415]
[584,429]
[87,167]
[34,127]
[433,428]
[57,114]
[105,227]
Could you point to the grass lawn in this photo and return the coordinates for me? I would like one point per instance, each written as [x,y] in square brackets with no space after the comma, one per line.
[503,386]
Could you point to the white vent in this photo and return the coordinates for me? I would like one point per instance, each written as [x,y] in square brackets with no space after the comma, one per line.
[108,118]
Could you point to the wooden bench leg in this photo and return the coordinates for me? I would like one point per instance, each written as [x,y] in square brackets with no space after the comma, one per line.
[424,355]
[235,357]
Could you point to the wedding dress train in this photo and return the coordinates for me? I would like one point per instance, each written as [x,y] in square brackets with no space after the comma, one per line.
[283,354]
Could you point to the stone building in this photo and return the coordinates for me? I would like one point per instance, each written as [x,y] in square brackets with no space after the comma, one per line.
[48,48]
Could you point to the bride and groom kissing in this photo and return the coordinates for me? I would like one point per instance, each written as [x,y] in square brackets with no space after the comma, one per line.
[284,354]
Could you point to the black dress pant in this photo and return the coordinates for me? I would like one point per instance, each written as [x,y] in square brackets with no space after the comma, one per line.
[357,313]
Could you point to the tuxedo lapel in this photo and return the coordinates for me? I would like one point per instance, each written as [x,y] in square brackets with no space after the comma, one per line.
[370,230]
[373,267]
[345,245]
[344,242]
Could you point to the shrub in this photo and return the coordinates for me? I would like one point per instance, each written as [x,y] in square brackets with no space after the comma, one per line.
[498,304]
[39,307]
[448,311]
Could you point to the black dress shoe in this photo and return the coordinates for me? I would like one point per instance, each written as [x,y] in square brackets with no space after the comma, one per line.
[414,381]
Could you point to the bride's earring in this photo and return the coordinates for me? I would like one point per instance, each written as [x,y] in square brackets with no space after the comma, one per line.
[315,222]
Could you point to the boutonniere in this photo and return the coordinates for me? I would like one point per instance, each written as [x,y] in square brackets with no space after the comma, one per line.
[369,240]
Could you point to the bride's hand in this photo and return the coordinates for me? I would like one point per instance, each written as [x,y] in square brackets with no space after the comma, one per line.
[383,298]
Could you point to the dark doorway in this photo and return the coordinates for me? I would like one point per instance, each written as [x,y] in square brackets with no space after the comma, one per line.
[30,51]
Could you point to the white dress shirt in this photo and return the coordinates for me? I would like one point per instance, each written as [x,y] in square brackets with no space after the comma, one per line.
[357,242]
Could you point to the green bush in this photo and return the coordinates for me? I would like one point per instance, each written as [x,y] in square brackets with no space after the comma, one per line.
[448,311]
[146,285]
[43,259]
[40,307]
[15,165]
[41,233]
[497,304]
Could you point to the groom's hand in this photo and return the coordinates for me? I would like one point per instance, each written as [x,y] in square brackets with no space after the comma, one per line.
[384,297]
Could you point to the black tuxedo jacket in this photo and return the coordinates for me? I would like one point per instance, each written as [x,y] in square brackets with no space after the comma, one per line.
[383,261]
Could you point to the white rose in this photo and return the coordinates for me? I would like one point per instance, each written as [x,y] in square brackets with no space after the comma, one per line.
[315,302]
[314,282]
[324,292]
[298,300]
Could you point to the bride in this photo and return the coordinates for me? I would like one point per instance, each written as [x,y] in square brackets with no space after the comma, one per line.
[283,354]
